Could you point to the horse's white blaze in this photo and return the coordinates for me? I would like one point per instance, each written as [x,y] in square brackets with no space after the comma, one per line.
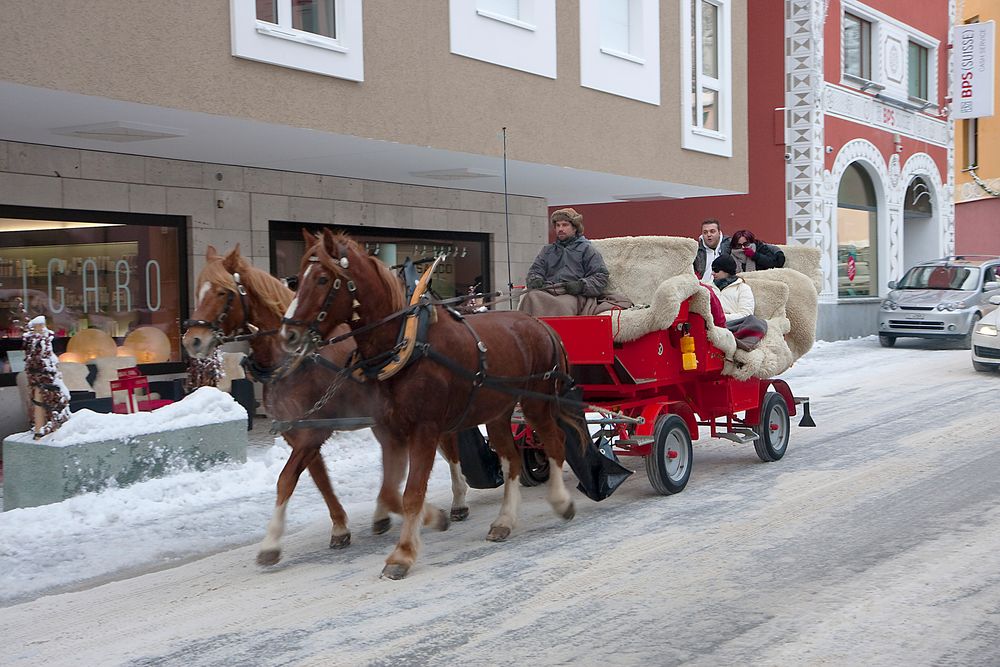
[291,308]
[275,529]
[558,495]
[205,286]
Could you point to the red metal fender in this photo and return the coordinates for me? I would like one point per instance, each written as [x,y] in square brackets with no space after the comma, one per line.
[653,410]
[782,388]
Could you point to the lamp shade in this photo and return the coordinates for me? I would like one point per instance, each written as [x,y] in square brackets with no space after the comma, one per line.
[149,345]
[89,344]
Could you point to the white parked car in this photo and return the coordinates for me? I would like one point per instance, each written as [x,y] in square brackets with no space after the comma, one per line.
[986,342]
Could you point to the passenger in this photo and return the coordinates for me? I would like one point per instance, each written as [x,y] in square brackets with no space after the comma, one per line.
[711,244]
[754,255]
[569,276]
[735,295]
[738,304]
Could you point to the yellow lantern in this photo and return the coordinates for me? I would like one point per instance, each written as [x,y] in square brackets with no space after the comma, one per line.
[90,344]
[148,345]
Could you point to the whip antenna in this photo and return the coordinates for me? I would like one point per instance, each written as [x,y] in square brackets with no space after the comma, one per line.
[506,215]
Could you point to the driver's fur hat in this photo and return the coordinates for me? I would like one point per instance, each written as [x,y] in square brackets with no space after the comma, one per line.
[571,216]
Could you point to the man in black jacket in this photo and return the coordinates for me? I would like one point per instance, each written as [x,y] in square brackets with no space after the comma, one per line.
[711,244]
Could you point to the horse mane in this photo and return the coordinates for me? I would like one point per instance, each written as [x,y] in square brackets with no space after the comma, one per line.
[385,275]
[271,292]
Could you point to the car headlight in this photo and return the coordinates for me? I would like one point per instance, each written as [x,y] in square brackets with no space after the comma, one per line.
[889,304]
[951,305]
[986,329]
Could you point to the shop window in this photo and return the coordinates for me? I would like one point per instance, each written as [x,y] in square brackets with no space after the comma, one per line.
[708,86]
[320,36]
[466,264]
[857,47]
[857,235]
[917,78]
[114,273]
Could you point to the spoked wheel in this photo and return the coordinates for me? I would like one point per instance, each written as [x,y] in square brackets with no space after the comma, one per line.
[668,465]
[534,462]
[773,430]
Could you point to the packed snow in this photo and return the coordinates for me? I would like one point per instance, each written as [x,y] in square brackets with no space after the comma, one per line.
[206,405]
[158,523]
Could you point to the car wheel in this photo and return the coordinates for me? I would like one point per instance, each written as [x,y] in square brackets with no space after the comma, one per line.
[886,341]
[967,341]
[983,368]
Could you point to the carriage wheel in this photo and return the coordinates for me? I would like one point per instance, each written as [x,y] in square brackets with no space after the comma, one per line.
[668,465]
[534,462]
[773,429]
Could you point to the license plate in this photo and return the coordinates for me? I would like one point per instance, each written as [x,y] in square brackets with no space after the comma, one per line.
[914,316]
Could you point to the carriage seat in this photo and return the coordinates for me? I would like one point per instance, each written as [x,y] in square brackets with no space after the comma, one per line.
[656,273]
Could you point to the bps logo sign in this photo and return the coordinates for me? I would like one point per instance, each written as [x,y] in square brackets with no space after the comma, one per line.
[973,70]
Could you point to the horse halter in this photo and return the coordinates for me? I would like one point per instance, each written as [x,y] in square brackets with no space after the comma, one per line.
[313,327]
[216,324]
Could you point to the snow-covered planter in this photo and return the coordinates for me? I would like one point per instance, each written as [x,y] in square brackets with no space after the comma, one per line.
[95,451]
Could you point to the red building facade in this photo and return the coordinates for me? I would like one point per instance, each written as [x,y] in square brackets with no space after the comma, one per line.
[851,149]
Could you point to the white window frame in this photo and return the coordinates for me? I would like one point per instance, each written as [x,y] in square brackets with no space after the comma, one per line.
[280,44]
[526,43]
[694,137]
[635,75]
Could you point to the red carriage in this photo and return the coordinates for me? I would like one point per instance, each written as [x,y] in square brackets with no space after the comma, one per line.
[656,394]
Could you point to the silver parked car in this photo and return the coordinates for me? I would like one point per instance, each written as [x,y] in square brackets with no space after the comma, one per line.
[986,342]
[943,299]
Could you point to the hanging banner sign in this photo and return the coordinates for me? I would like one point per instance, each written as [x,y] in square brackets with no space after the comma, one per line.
[972,70]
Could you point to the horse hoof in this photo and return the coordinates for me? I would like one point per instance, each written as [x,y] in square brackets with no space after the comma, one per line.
[269,557]
[381,526]
[442,522]
[459,513]
[570,512]
[340,541]
[395,571]
[498,534]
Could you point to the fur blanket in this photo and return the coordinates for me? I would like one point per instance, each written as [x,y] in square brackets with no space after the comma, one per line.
[656,273]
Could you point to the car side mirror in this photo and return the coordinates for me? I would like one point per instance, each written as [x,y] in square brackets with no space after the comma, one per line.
[892,284]
[995,299]
[990,286]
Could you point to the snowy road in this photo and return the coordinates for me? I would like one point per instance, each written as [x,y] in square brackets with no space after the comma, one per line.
[875,541]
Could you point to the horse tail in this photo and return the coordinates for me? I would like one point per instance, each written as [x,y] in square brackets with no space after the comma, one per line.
[569,414]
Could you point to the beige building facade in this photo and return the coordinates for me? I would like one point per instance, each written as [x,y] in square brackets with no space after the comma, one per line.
[424,127]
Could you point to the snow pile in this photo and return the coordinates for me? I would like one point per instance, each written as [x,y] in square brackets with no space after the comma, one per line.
[206,405]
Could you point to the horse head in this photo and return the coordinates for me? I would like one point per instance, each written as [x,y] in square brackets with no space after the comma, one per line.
[338,284]
[221,307]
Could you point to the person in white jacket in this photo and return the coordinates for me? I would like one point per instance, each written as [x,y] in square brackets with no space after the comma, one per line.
[735,295]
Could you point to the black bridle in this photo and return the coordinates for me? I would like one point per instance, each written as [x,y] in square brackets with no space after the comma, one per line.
[216,325]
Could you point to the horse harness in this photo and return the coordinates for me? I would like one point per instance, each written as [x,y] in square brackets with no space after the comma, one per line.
[412,344]
[216,324]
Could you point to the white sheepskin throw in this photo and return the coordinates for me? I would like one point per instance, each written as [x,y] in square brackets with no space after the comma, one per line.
[805,260]
[637,265]
[656,273]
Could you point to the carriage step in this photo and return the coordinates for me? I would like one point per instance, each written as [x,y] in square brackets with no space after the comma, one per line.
[740,436]
[634,442]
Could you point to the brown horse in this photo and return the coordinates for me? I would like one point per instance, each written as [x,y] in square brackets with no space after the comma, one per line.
[233,297]
[339,283]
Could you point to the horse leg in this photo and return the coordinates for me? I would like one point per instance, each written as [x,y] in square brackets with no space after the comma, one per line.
[393,471]
[459,487]
[421,455]
[340,537]
[270,548]
[539,414]
[502,441]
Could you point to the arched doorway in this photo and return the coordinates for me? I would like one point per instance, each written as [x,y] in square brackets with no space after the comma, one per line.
[857,234]
[920,237]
